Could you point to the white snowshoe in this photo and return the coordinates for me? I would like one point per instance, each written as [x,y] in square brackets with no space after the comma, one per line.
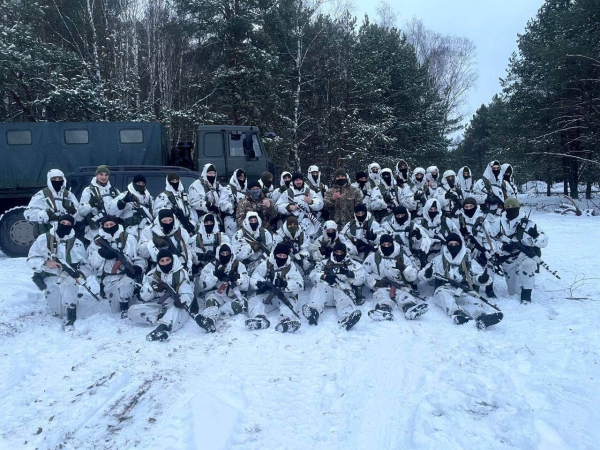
[286,325]
[414,310]
[311,314]
[257,323]
[350,320]
[381,312]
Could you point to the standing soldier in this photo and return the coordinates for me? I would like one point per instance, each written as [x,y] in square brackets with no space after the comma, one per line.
[134,207]
[509,188]
[96,200]
[371,194]
[341,199]
[432,177]
[284,184]
[175,199]
[449,194]
[421,191]
[490,188]
[313,180]
[50,203]
[402,172]
[256,201]
[266,184]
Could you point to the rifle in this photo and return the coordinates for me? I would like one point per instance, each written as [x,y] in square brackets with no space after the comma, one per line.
[248,238]
[276,292]
[531,253]
[308,213]
[495,196]
[458,284]
[402,288]
[232,284]
[129,269]
[329,270]
[491,258]
[141,210]
[75,275]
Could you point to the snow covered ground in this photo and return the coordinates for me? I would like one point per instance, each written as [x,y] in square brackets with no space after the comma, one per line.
[532,382]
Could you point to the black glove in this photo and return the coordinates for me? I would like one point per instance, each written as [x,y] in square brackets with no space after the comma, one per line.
[280,283]
[233,276]
[93,201]
[483,278]
[196,269]
[361,246]
[255,246]
[158,287]
[80,273]
[371,236]
[220,274]
[533,232]
[400,265]
[52,216]
[121,204]
[262,287]
[429,272]
[509,247]
[347,273]
[464,231]
[190,228]
[108,253]
[416,233]
[418,196]
[177,303]
[128,197]
[329,278]
[212,207]
[492,200]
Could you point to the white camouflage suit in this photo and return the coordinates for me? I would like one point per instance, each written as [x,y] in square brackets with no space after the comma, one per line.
[219,297]
[340,293]
[295,195]
[179,238]
[244,237]
[118,287]
[152,313]
[268,270]
[387,269]
[95,191]
[299,243]
[181,201]
[134,221]
[62,290]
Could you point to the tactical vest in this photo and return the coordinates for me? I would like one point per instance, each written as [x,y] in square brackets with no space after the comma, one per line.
[398,259]
[176,279]
[463,269]
[365,227]
[181,249]
[52,244]
[270,275]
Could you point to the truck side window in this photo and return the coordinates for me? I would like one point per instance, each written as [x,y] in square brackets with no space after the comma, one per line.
[18,137]
[243,145]
[77,137]
[131,136]
[213,145]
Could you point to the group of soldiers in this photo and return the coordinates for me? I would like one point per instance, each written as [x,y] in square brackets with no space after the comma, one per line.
[250,247]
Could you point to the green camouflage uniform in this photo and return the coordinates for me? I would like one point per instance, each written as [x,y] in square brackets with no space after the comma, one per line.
[342,209]
[266,213]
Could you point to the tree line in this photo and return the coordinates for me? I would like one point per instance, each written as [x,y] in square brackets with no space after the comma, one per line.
[546,121]
[336,92]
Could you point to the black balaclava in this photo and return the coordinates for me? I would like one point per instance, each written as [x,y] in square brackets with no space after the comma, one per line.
[451,180]
[337,247]
[360,175]
[386,251]
[508,174]
[166,227]
[454,249]
[419,177]
[401,210]
[387,177]
[209,228]
[137,179]
[400,182]
[432,214]
[111,230]
[224,260]
[434,175]
[512,213]
[281,248]
[496,172]
[358,208]
[63,230]
[211,179]
[470,212]
[287,182]
[331,235]
[466,172]
[56,185]
[253,226]
[175,185]
[267,179]
[341,181]
[404,171]
[292,225]
[242,183]
[165,253]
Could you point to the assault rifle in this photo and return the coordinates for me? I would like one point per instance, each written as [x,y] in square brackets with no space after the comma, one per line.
[495,196]
[76,276]
[401,287]
[492,259]
[127,266]
[531,253]
[231,283]
[308,213]
[250,239]
[276,292]
[464,287]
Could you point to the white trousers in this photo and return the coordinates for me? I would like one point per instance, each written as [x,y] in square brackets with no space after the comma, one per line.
[520,274]
[323,295]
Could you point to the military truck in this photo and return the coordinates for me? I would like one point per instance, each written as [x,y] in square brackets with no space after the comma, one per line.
[29,150]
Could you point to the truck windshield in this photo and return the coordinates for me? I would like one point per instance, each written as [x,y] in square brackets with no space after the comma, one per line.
[242,144]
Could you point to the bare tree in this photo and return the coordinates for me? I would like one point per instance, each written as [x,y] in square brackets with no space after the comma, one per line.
[387,15]
[451,63]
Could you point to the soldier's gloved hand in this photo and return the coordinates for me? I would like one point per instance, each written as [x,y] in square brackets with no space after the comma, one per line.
[492,200]
[128,197]
[280,283]
[255,246]
[416,233]
[190,228]
[177,303]
[158,287]
[220,275]
[93,201]
[212,207]
[137,273]
[371,236]
[483,278]
[400,265]
[418,196]
[429,272]
[508,247]
[451,195]
[107,253]
[329,278]
[52,216]
[464,231]
[70,208]
[346,272]
[196,269]
[233,276]
[261,287]
[533,232]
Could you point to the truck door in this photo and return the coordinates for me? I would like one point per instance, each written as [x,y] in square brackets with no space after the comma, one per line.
[213,152]
[245,152]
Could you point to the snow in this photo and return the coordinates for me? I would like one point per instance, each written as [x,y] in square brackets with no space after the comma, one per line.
[530,382]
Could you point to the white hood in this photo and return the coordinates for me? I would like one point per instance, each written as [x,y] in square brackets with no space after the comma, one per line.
[55,173]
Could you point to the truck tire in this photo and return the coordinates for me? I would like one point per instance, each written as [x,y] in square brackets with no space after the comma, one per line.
[16,233]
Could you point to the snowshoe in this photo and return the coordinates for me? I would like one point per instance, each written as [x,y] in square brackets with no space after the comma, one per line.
[489,291]
[257,323]
[237,307]
[525,296]
[460,317]
[160,334]
[287,325]
[350,320]
[206,323]
[414,310]
[124,308]
[487,320]
[311,314]
[71,317]
[381,312]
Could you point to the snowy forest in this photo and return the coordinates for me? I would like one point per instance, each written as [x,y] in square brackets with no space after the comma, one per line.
[336,90]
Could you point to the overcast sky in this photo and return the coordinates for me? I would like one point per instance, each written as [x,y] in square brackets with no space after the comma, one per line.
[491,24]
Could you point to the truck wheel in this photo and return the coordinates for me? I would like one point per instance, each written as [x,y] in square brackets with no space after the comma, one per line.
[16,233]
